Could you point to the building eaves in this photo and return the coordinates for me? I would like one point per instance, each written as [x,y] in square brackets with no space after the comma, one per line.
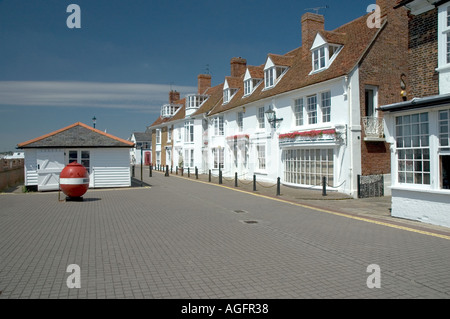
[416,103]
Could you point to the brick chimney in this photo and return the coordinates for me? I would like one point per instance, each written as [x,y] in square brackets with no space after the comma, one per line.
[311,24]
[174,96]
[204,82]
[238,66]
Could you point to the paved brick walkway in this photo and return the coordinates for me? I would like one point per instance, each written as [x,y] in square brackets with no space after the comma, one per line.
[184,239]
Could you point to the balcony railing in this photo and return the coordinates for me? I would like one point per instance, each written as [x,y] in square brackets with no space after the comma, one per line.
[373,128]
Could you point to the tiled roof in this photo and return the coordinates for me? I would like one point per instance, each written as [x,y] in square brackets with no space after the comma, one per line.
[281,60]
[356,39]
[256,72]
[76,135]
[142,137]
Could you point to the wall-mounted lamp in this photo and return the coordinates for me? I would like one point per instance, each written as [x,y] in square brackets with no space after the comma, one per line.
[272,117]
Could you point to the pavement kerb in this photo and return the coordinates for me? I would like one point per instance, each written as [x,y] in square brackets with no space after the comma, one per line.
[424,229]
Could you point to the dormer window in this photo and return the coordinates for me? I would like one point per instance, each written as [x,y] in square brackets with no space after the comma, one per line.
[276,66]
[272,75]
[253,77]
[324,56]
[229,92]
[228,95]
[194,101]
[168,110]
[323,53]
[250,85]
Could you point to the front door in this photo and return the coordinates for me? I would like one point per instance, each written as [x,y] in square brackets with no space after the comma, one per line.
[50,163]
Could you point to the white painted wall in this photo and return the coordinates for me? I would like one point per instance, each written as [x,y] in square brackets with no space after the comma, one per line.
[110,167]
[431,207]
[344,110]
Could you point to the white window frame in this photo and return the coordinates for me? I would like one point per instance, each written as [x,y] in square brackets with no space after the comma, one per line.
[240,121]
[158,136]
[189,131]
[219,125]
[323,56]
[308,166]
[319,59]
[261,117]
[247,87]
[312,110]
[298,111]
[413,149]
[444,37]
[189,158]
[169,134]
[325,97]
[158,158]
[273,75]
[261,157]
[218,157]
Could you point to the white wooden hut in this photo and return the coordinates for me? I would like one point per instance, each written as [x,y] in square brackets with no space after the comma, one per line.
[106,157]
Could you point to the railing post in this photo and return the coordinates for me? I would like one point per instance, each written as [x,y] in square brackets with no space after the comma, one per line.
[324,186]
[254,182]
[278,186]
[359,185]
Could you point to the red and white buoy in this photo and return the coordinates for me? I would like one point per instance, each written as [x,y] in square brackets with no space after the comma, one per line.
[74,180]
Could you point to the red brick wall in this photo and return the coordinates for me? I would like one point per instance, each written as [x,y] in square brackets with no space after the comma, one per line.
[383,67]
[423,80]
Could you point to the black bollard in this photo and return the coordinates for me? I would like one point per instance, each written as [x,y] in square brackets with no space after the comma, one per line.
[150,171]
[278,187]
[324,186]
[167,170]
[254,182]
[220,176]
[209,178]
[196,172]
[235,179]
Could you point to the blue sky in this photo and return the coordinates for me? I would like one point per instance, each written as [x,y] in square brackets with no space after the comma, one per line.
[128,54]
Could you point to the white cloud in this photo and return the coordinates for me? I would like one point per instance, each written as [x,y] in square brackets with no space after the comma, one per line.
[130,96]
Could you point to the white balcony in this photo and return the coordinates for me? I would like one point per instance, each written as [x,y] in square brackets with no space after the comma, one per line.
[373,129]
